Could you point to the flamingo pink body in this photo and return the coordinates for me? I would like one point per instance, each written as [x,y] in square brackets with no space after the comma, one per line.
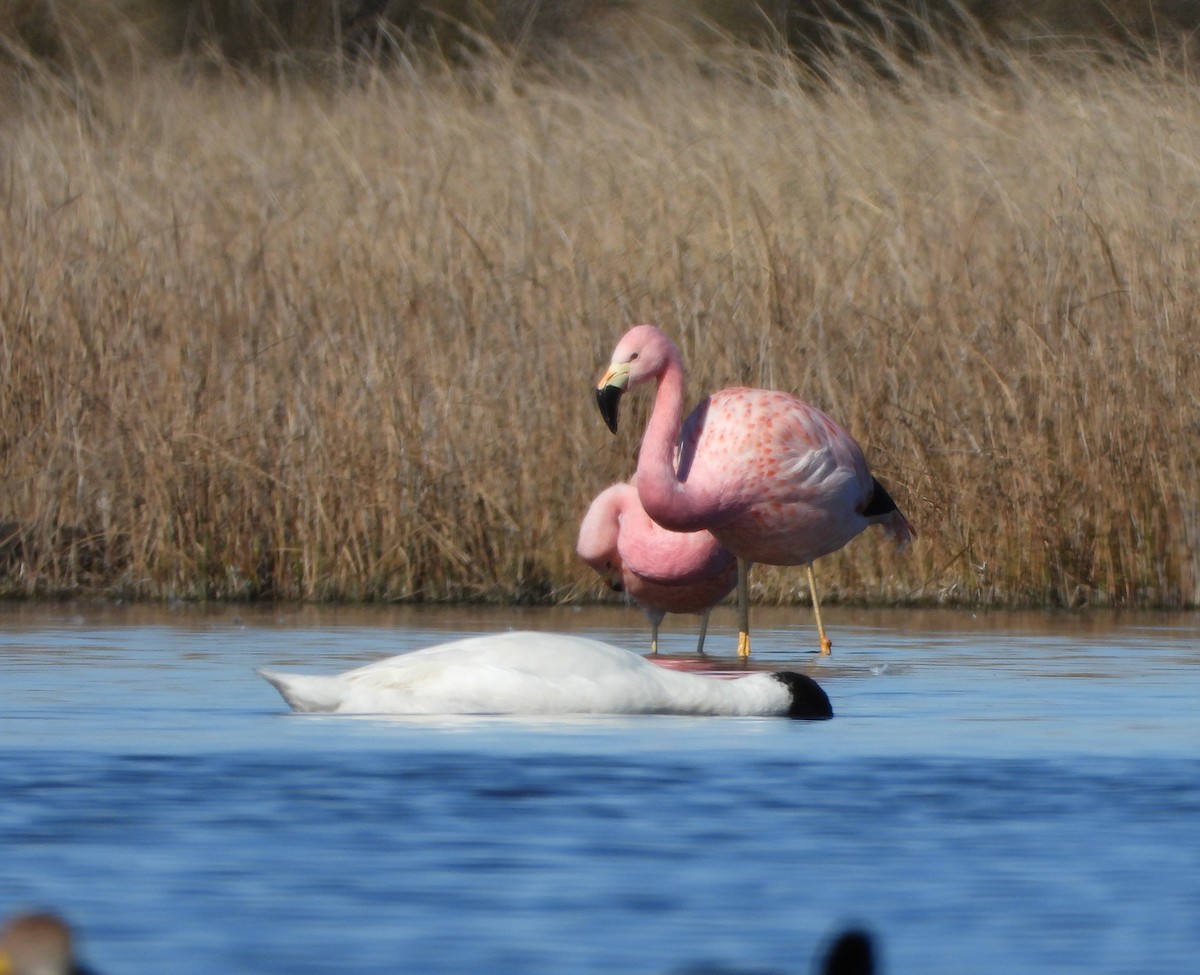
[774,479]
[663,571]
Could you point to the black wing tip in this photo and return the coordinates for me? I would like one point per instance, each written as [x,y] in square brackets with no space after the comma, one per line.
[881,502]
[809,700]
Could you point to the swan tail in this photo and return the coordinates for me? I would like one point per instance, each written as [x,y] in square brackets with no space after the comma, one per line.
[304,693]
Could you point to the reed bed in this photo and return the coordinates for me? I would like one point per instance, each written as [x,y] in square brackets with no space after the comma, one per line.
[300,341]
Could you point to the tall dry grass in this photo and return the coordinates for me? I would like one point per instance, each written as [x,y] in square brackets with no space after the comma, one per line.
[301,342]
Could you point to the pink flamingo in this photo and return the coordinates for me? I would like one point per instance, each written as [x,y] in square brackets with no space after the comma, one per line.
[663,571]
[774,479]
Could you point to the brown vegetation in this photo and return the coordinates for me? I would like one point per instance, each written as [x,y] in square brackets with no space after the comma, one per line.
[276,339]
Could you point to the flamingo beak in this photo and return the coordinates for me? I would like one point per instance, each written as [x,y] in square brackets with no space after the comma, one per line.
[609,391]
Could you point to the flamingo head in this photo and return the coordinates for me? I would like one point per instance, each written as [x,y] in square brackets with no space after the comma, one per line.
[609,570]
[643,354]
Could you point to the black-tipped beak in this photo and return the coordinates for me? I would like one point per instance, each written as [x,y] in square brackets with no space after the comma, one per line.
[608,398]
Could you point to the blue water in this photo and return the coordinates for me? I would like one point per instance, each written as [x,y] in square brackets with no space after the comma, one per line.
[995,794]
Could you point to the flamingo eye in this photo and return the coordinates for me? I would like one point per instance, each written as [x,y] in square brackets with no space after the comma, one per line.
[632,357]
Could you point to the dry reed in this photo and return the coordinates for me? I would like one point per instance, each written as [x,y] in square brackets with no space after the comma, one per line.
[273,340]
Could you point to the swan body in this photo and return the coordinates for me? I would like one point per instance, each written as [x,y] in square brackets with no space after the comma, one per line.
[662,571]
[543,674]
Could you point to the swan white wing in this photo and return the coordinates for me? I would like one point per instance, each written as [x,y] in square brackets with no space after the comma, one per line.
[548,655]
[508,673]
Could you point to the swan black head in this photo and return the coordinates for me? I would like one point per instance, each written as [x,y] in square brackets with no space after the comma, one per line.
[809,700]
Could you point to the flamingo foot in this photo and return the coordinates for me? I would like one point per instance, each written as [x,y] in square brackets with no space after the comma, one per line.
[743,650]
[826,646]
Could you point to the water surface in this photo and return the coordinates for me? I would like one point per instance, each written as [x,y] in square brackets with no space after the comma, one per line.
[997,793]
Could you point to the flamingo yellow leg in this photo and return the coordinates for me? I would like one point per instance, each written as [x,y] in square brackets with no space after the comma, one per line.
[743,589]
[826,646]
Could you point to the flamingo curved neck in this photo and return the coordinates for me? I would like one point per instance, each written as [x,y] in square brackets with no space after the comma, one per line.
[672,503]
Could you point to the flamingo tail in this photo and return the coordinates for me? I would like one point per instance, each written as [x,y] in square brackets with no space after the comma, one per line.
[883,511]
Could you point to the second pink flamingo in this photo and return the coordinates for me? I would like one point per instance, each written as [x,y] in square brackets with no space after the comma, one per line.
[662,571]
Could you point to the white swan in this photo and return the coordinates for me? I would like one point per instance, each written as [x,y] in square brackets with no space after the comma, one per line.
[539,674]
